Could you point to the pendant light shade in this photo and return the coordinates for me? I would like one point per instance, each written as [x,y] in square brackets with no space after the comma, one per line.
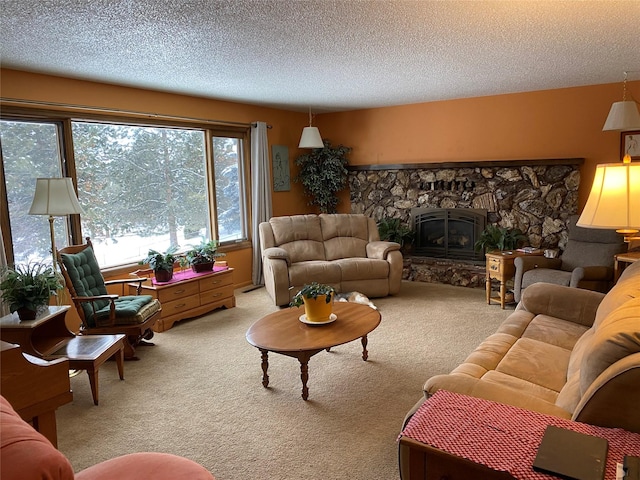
[310,136]
[623,115]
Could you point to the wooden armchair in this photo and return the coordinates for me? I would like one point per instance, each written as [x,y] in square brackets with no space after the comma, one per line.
[101,312]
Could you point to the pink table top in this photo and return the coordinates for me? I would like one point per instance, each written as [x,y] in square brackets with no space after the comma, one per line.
[502,437]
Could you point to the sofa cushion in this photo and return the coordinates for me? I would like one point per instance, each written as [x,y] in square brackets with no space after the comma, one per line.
[302,273]
[554,331]
[345,236]
[300,236]
[25,453]
[617,336]
[362,268]
[523,386]
[537,362]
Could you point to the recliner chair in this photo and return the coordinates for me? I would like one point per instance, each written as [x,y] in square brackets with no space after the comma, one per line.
[587,261]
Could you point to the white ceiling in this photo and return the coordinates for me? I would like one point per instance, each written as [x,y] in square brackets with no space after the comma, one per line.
[329,55]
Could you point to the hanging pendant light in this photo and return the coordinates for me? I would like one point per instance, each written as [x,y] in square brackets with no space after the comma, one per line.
[623,115]
[310,136]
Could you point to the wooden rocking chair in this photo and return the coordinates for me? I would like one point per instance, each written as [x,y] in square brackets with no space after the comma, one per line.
[101,312]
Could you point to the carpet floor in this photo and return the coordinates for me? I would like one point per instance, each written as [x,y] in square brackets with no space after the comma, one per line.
[198,393]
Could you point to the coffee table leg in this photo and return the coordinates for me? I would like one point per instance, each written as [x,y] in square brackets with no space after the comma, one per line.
[265,367]
[365,353]
[304,376]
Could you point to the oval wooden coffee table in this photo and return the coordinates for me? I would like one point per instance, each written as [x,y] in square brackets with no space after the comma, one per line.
[282,332]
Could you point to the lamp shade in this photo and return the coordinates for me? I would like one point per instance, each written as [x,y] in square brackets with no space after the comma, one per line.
[614,201]
[55,197]
[311,138]
[623,116]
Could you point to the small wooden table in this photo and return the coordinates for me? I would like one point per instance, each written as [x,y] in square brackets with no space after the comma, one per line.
[621,260]
[282,332]
[48,337]
[500,266]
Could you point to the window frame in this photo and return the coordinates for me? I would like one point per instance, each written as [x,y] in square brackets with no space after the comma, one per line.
[64,119]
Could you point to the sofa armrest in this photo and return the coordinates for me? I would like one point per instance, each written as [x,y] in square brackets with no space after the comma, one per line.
[572,304]
[277,253]
[381,249]
[476,387]
[524,264]
[593,273]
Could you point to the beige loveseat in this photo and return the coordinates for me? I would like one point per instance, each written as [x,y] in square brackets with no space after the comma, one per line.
[567,352]
[342,250]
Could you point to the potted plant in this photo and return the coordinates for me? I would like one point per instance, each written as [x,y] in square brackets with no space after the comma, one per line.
[394,230]
[161,263]
[317,299]
[323,173]
[28,287]
[494,237]
[203,256]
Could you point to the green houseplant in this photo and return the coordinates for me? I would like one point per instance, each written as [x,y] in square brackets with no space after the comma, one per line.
[323,173]
[494,237]
[202,257]
[317,299]
[161,263]
[394,230]
[28,287]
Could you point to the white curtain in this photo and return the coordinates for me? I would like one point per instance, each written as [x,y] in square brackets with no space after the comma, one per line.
[261,208]
[4,308]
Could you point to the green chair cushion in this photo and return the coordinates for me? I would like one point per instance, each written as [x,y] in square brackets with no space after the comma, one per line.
[127,309]
[84,272]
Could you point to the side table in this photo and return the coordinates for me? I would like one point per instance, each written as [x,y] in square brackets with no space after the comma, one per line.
[455,436]
[49,338]
[621,260]
[501,267]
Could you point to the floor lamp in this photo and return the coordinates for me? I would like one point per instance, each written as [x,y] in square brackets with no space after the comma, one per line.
[55,197]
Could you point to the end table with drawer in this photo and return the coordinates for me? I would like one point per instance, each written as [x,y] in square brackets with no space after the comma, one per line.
[189,294]
[501,267]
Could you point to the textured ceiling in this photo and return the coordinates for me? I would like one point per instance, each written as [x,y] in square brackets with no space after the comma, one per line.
[325,54]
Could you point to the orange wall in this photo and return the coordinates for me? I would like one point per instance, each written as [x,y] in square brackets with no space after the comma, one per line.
[544,124]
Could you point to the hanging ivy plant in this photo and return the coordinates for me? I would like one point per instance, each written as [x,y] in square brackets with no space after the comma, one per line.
[323,173]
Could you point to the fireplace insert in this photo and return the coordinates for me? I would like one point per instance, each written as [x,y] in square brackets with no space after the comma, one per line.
[448,232]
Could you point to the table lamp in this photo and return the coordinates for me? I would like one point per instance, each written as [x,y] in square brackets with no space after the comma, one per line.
[55,197]
[614,201]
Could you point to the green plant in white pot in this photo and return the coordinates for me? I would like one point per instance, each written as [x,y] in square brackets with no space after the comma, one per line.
[26,288]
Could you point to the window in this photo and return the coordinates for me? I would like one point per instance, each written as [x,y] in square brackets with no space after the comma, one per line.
[141,186]
[30,150]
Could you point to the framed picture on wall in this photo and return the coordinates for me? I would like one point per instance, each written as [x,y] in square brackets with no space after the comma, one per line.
[630,143]
[281,174]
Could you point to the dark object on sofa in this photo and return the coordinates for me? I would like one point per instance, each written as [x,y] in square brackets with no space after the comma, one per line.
[25,454]
[587,262]
[102,313]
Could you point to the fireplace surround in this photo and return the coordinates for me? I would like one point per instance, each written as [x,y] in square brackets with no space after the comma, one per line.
[537,196]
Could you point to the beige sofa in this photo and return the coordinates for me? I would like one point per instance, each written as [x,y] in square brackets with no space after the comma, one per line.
[567,352]
[342,250]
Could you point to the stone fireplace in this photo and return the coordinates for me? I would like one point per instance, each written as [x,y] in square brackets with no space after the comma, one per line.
[447,232]
[536,196]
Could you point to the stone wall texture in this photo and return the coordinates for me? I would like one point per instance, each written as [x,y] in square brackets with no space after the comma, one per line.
[537,199]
